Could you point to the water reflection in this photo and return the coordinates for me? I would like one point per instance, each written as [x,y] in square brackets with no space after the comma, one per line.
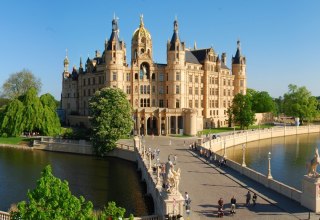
[98,180]
[289,156]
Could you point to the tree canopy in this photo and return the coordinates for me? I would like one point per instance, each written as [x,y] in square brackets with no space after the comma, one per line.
[30,113]
[53,200]
[241,110]
[19,83]
[298,102]
[261,101]
[111,118]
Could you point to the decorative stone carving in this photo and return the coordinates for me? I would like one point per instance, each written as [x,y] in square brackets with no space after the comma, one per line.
[172,178]
[312,165]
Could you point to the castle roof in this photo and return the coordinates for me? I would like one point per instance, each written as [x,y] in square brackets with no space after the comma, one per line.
[141,31]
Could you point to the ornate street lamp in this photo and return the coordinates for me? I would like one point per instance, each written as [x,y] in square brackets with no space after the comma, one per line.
[244,155]
[269,166]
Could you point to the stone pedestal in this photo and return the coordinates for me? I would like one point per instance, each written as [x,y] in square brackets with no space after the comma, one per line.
[174,204]
[310,197]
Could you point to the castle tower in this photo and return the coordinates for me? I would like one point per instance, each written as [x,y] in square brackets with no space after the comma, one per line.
[176,83]
[115,58]
[239,71]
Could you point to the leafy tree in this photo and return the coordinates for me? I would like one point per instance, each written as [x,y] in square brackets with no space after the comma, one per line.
[30,113]
[12,119]
[241,111]
[298,102]
[112,211]
[3,102]
[279,109]
[33,111]
[111,117]
[51,200]
[50,123]
[19,83]
[262,102]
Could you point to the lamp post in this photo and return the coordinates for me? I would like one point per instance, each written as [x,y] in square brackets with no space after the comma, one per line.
[244,155]
[224,150]
[269,166]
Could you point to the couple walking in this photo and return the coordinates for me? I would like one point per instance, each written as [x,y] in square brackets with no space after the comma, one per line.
[248,199]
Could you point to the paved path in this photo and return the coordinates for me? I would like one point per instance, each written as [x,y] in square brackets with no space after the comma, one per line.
[206,183]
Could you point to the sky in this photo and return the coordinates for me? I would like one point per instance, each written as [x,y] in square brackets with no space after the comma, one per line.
[279,38]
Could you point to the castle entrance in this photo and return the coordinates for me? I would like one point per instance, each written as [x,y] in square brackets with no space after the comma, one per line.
[152,126]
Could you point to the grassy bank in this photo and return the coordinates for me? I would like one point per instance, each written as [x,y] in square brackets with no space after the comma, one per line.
[14,140]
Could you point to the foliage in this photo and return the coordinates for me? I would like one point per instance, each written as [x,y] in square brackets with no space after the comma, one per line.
[19,83]
[262,102]
[111,117]
[241,111]
[3,102]
[30,113]
[279,108]
[298,102]
[12,119]
[52,199]
[112,211]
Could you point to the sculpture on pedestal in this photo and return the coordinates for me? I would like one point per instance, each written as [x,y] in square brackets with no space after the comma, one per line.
[312,165]
[172,178]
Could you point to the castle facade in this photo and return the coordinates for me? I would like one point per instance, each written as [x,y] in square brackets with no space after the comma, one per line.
[191,92]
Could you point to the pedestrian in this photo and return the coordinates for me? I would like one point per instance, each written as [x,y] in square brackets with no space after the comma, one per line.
[220,208]
[248,198]
[233,205]
[254,199]
[175,159]
[186,196]
[220,202]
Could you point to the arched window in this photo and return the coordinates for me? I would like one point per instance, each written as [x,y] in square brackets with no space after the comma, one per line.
[142,50]
[136,76]
[153,76]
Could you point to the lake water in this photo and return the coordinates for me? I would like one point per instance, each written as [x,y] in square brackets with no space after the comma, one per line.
[98,180]
[289,156]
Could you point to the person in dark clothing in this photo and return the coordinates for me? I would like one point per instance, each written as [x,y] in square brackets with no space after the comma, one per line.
[233,205]
[254,199]
[248,198]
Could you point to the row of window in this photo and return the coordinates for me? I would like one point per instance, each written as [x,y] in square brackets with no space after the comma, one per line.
[92,81]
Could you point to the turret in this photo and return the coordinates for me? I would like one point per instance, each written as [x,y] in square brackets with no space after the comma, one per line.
[176,48]
[239,71]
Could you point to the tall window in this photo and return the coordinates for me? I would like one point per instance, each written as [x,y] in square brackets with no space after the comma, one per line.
[167,89]
[89,81]
[196,103]
[114,76]
[196,91]
[161,90]
[161,103]
[141,89]
[128,76]
[196,79]
[153,89]
[177,76]
[177,103]
[201,90]
[93,80]
[128,90]
[190,103]
[190,90]
[161,77]
[177,89]
[84,82]
[153,103]
[190,78]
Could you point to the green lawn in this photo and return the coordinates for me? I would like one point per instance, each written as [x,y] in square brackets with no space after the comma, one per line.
[13,140]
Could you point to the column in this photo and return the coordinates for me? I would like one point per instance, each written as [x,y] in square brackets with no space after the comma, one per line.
[177,129]
[159,125]
[145,126]
[166,125]
[138,125]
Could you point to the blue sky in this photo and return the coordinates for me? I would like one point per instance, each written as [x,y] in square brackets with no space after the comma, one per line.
[280,38]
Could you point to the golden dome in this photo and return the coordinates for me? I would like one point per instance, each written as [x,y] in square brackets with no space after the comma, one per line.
[141,31]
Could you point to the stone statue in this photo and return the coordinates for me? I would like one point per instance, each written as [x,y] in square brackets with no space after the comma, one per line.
[312,165]
[172,179]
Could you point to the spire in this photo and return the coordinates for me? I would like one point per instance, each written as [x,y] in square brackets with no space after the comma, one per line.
[175,37]
[80,62]
[66,62]
[141,21]
[195,45]
[238,57]
[114,37]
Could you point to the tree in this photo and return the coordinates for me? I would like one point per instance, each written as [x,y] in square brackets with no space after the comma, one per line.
[298,102]
[19,83]
[12,119]
[241,111]
[262,102]
[111,117]
[52,199]
[112,211]
[279,105]
[50,123]
[30,113]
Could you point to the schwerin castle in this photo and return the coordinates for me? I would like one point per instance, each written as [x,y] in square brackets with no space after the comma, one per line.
[191,92]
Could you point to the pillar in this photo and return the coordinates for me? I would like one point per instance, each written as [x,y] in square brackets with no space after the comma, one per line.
[138,125]
[159,125]
[177,129]
[310,197]
[166,125]
[145,126]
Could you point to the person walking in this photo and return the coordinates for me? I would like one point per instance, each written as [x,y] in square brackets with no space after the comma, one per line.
[233,205]
[254,199]
[220,208]
[175,159]
[248,198]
